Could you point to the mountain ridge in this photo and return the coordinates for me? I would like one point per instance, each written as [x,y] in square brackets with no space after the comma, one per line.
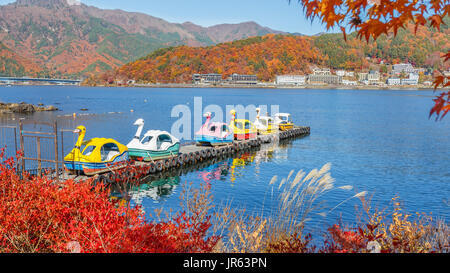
[71,38]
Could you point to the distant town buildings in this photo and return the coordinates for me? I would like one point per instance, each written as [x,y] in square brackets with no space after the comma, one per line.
[347,82]
[213,78]
[403,68]
[340,73]
[412,80]
[447,76]
[344,73]
[362,77]
[324,79]
[400,74]
[243,79]
[349,74]
[371,78]
[323,76]
[321,71]
[207,78]
[393,81]
[291,80]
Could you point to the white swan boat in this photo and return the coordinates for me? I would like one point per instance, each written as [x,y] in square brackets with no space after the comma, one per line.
[154,145]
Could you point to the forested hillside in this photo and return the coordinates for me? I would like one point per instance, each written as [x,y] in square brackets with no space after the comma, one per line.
[271,55]
[265,56]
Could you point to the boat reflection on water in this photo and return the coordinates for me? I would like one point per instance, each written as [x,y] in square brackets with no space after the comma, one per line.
[216,172]
[155,189]
[158,187]
[276,151]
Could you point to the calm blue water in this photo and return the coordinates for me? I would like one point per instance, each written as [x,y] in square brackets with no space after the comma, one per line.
[377,141]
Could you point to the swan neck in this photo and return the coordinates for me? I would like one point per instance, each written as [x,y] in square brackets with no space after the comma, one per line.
[139,131]
[80,140]
[208,120]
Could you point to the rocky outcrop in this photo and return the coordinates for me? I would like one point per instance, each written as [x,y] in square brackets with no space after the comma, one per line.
[24,108]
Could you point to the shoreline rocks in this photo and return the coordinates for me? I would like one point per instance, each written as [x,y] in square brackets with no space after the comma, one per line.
[24,108]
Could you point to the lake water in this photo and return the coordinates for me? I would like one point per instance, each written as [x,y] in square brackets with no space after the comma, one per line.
[377,141]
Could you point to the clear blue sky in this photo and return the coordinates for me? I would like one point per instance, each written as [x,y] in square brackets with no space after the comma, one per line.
[276,14]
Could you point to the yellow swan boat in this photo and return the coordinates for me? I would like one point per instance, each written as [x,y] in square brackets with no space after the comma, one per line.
[243,129]
[95,156]
[284,121]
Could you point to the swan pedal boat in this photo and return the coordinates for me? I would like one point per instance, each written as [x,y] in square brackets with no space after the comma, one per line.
[243,129]
[154,145]
[95,156]
[214,133]
[264,124]
[284,121]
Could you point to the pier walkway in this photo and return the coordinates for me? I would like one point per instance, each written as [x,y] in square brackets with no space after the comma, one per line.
[192,154]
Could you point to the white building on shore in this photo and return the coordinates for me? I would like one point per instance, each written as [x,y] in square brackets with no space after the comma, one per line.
[349,74]
[340,73]
[404,67]
[371,78]
[345,73]
[321,71]
[291,80]
[393,81]
[412,80]
[447,76]
[347,82]
[206,78]
[243,79]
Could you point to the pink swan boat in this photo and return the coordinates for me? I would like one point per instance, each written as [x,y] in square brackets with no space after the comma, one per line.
[214,133]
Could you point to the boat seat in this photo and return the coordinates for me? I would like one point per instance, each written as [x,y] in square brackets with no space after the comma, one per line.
[111,155]
[146,140]
[165,145]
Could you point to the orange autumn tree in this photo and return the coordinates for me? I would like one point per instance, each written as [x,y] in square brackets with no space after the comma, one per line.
[372,18]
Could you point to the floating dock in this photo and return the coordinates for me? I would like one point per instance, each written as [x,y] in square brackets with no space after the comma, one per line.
[193,154]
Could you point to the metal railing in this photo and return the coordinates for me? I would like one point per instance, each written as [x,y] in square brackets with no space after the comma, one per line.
[39,146]
[42,144]
[8,139]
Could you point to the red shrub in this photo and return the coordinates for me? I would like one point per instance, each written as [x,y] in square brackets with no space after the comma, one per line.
[181,235]
[344,241]
[37,215]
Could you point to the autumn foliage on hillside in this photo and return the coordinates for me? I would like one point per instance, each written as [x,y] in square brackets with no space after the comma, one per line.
[12,64]
[265,56]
